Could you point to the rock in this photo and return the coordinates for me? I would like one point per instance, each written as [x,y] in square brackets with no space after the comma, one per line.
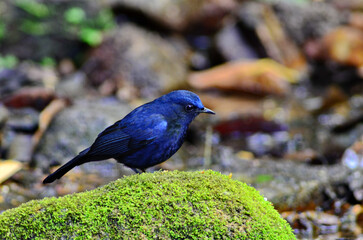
[137,62]
[163,205]
[233,45]
[23,120]
[287,184]
[355,183]
[72,86]
[307,223]
[21,148]
[4,115]
[42,75]
[75,129]
[177,15]
[12,80]
[308,21]
[353,159]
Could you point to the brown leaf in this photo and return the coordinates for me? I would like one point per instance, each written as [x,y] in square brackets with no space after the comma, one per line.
[345,46]
[263,76]
[34,97]
[8,168]
[228,106]
[46,117]
[277,43]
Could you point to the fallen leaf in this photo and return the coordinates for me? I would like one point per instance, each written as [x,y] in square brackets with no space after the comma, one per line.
[231,106]
[249,125]
[46,117]
[276,42]
[344,45]
[260,77]
[34,97]
[8,168]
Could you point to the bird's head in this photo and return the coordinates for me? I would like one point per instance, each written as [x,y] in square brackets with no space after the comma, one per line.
[186,104]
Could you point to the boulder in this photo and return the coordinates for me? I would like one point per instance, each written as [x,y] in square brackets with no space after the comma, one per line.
[162,205]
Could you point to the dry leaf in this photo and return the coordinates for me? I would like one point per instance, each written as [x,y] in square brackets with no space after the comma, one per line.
[276,42]
[345,45]
[34,97]
[263,76]
[231,106]
[46,117]
[8,168]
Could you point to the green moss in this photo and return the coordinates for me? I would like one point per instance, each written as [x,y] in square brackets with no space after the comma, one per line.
[163,205]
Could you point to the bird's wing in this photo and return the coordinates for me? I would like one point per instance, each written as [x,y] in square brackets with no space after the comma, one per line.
[128,135]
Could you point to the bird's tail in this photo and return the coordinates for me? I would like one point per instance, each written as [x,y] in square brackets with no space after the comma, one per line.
[78,160]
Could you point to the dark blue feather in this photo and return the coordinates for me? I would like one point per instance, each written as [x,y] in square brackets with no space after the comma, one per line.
[148,135]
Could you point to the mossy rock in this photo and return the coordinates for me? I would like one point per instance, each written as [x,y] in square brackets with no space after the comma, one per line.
[160,205]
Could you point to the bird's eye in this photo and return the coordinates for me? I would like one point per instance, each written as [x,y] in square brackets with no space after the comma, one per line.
[189,108]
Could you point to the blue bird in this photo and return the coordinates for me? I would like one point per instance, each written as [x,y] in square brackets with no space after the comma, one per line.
[148,135]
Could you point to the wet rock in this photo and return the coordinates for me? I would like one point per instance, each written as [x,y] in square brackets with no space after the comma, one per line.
[352,224]
[177,15]
[310,224]
[16,134]
[75,129]
[23,120]
[287,184]
[138,62]
[233,45]
[72,86]
[308,21]
[342,140]
[352,159]
[41,75]
[355,183]
[21,148]
[4,114]
[12,80]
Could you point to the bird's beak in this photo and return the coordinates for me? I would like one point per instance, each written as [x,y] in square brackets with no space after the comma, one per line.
[207,110]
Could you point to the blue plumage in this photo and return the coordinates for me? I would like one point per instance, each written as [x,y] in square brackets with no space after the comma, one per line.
[147,136]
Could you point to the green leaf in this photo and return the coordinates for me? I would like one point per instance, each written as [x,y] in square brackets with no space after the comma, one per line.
[33,27]
[91,36]
[34,8]
[8,61]
[75,15]
[2,30]
[105,19]
[48,61]
[264,178]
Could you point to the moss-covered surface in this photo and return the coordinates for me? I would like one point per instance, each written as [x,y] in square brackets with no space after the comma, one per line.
[160,205]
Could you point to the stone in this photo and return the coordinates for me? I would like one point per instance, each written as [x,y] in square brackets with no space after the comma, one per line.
[75,129]
[139,62]
[162,205]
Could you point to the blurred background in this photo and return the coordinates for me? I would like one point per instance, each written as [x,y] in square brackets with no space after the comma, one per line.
[284,77]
